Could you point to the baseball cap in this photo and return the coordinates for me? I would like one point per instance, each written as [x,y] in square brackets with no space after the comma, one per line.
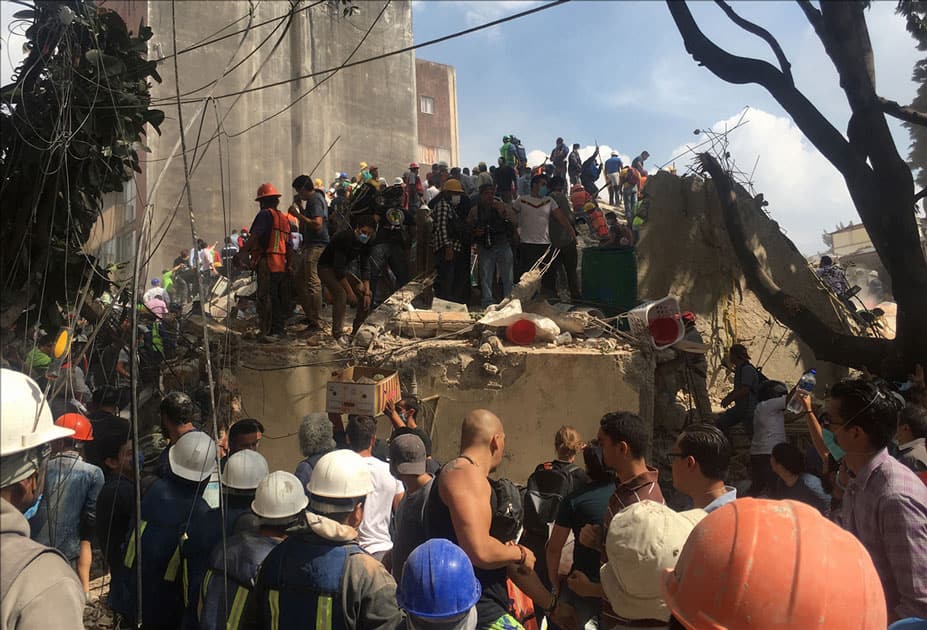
[407,454]
[643,539]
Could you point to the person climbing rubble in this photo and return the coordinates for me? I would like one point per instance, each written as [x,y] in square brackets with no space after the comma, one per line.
[344,248]
[743,396]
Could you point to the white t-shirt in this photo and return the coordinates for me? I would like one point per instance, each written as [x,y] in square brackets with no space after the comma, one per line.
[373,534]
[768,426]
[533,219]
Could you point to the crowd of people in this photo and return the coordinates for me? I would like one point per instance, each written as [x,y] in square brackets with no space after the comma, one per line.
[357,239]
[367,533]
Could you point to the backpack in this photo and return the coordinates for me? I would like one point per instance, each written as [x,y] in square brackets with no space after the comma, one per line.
[547,487]
[509,514]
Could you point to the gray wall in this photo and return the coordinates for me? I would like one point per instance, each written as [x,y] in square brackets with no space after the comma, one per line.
[371,106]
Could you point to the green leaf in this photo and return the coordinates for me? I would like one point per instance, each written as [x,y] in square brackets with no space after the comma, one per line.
[155,117]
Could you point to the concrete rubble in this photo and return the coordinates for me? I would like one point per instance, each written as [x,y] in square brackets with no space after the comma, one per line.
[454,355]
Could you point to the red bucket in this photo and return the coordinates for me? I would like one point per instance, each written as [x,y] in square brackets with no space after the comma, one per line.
[521,332]
[664,330]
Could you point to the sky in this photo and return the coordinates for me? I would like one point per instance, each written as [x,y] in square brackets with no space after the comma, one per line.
[617,73]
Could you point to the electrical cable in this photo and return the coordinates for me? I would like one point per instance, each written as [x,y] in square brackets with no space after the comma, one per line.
[405,49]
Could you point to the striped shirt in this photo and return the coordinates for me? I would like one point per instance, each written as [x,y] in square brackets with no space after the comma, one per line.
[885,507]
[644,487]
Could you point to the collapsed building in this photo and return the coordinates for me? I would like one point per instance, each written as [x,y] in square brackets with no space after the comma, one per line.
[683,251]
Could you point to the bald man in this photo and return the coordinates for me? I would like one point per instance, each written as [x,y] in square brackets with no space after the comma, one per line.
[461,509]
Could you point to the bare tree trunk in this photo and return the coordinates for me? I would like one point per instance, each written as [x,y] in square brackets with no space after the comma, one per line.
[879,182]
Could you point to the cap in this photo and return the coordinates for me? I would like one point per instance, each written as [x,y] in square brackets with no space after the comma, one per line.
[407,454]
[643,540]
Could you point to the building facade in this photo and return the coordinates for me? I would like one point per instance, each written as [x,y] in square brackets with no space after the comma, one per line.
[436,92]
[317,118]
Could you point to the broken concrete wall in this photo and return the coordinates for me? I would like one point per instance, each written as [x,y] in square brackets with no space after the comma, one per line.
[685,250]
[533,390]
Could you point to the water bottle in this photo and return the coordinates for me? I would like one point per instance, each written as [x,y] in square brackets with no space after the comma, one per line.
[805,387]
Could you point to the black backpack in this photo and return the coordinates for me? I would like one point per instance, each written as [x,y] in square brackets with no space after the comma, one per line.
[547,487]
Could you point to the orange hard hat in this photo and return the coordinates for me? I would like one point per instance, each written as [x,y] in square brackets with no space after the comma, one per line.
[83,430]
[266,190]
[766,565]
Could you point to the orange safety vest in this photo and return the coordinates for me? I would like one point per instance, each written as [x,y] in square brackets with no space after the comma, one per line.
[275,254]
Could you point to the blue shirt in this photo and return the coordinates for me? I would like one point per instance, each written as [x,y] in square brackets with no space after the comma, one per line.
[613,165]
[723,500]
[68,510]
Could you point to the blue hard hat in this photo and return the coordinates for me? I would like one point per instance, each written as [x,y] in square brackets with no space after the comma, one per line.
[155,282]
[437,581]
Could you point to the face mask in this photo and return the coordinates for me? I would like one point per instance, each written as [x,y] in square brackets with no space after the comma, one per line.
[402,414]
[455,199]
[32,511]
[543,191]
[363,238]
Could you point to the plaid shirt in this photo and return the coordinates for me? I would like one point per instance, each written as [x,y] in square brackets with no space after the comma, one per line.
[885,507]
[440,237]
[644,487]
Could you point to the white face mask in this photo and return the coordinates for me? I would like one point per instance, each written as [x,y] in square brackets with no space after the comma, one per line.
[455,199]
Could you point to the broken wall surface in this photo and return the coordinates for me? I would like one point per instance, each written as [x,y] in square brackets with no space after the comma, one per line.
[685,250]
[533,390]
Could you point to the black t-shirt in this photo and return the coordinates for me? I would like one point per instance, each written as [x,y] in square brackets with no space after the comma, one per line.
[408,528]
[341,250]
[586,507]
[505,178]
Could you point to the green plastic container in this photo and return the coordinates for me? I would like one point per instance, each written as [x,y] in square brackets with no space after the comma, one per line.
[610,278]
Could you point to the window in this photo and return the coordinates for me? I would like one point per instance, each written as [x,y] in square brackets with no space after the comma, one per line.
[428,105]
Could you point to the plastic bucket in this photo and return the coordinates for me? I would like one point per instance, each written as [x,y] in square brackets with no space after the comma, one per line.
[664,330]
[521,332]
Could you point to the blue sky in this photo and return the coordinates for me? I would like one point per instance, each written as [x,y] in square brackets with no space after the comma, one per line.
[617,72]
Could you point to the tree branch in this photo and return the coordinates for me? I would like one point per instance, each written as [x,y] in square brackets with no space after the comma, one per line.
[742,70]
[920,195]
[826,343]
[763,34]
[907,114]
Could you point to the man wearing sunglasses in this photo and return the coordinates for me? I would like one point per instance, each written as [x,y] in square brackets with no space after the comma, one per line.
[885,504]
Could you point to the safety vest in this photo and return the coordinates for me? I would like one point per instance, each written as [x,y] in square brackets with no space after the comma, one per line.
[166,507]
[229,579]
[202,535]
[299,585]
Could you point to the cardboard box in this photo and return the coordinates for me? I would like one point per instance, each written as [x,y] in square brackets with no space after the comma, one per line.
[345,395]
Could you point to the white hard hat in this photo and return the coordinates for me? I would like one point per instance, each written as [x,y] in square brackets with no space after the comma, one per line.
[25,423]
[193,457]
[341,474]
[279,497]
[244,470]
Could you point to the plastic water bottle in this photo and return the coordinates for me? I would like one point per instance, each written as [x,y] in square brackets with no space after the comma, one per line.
[805,387]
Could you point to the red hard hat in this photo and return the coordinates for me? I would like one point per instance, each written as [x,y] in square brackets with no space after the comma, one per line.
[413,165]
[688,317]
[766,565]
[78,423]
[266,190]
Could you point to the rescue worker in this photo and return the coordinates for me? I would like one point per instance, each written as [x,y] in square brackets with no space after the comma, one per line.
[311,210]
[574,165]
[38,590]
[414,189]
[243,471]
[279,503]
[167,507]
[319,572]
[447,241]
[267,244]
[438,590]
[67,516]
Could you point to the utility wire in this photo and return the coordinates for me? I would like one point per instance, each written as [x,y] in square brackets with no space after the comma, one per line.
[383,56]
[399,51]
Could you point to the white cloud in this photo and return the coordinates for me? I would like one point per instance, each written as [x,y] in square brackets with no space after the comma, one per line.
[806,194]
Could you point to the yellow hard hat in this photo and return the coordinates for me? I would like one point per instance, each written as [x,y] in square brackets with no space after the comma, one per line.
[318,183]
[452,185]
[363,165]
[589,206]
